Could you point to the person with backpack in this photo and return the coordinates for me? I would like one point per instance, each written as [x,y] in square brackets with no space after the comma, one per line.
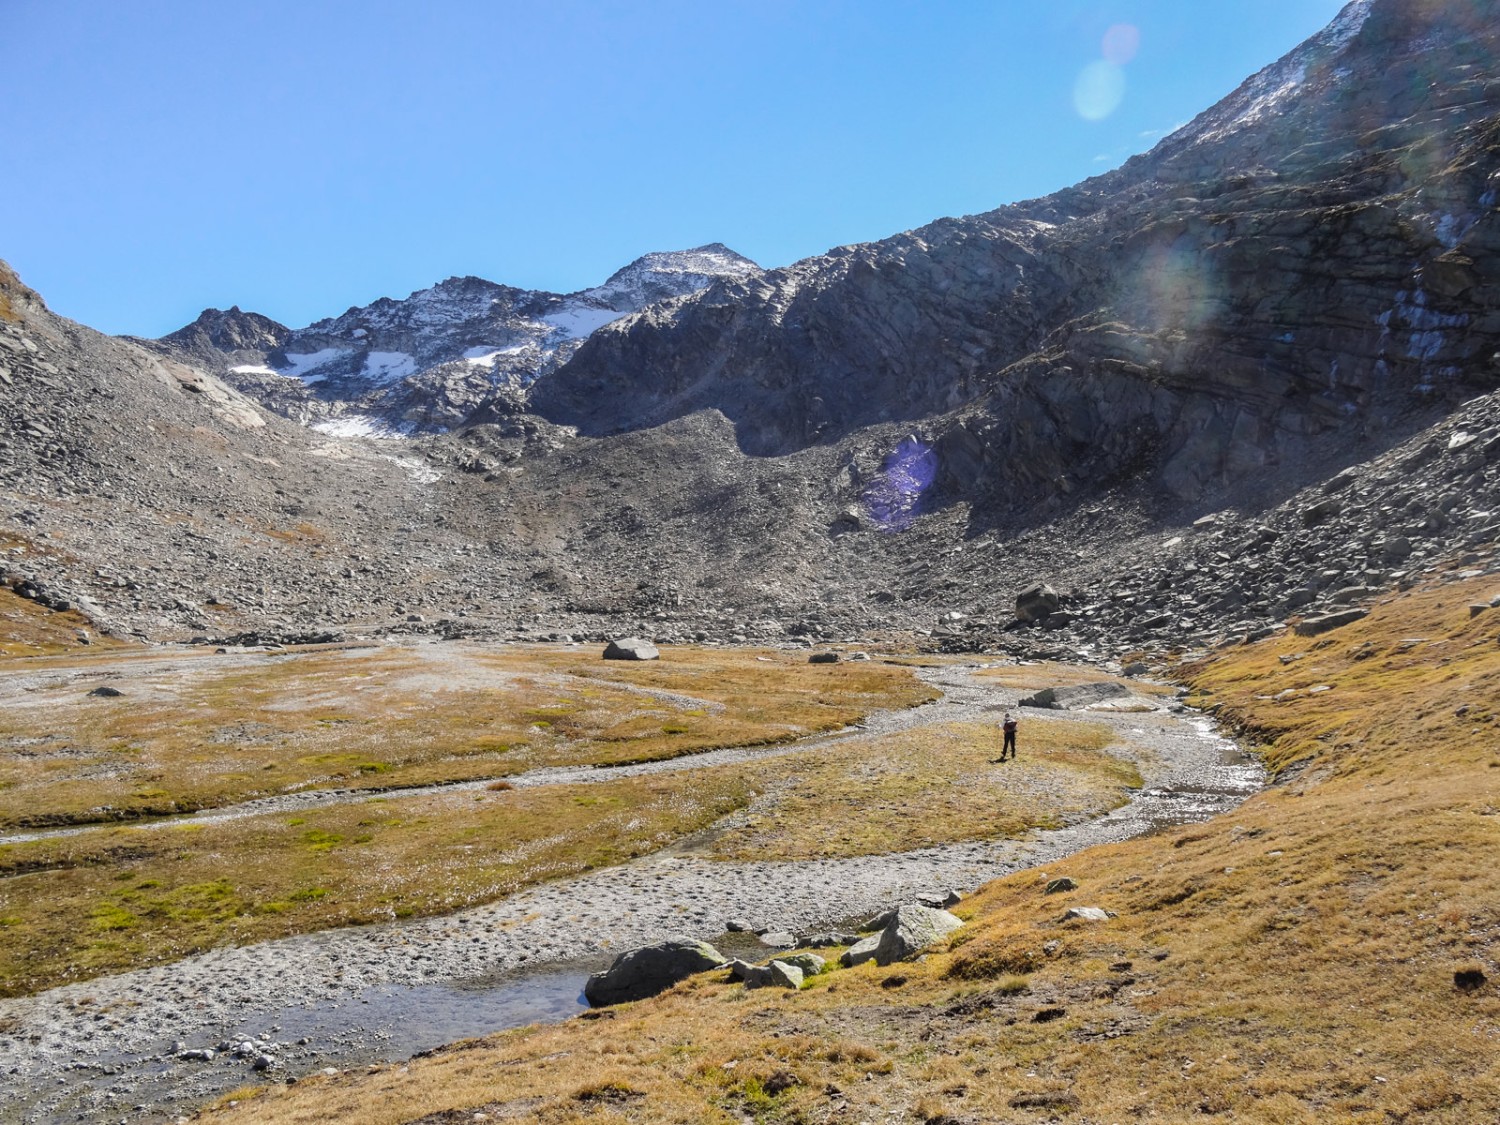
[1009,727]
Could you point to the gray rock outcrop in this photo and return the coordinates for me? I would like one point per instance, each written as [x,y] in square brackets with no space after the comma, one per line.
[631,648]
[1326,622]
[1036,602]
[638,973]
[780,972]
[913,929]
[429,361]
[1077,697]
[861,951]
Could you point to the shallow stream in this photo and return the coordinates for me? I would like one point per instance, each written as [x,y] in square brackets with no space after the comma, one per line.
[111,1049]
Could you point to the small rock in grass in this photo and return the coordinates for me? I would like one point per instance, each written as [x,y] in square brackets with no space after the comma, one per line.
[823,658]
[104,691]
[1059,885]
[782,975]
[1313,626]
[1087,914]
[860,952]
[778,974]
[810,964]
[631,648]
[744,971]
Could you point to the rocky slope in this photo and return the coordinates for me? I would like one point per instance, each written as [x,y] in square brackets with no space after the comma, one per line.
[424,363]
[1284,317]
[1311,259]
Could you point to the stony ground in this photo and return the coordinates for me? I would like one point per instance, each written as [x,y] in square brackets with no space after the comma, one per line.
[89,1051]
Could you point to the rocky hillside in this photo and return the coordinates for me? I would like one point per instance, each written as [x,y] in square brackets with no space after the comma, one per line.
[1310,260]
[424,363]
[1244,379]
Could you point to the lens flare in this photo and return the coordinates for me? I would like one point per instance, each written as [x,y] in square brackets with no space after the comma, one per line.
[1121,42]
[1099,90]
[894,498]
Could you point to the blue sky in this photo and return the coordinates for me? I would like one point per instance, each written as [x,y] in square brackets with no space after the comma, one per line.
[297,157]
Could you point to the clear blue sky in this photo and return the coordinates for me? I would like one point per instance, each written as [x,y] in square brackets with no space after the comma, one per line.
[296,157]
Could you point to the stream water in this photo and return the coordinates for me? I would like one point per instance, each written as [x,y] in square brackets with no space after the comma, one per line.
[381,994]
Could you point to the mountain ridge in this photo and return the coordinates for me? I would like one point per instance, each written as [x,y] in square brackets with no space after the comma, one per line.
[875,439]
[421,363]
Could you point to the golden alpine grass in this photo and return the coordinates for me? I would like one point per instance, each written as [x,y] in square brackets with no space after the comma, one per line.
[1327,953]
[935,785]
[106,900]
[194,730]
[112,898]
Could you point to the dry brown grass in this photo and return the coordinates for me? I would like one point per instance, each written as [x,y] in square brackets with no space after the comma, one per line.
[935,785]
[28,629]
[1292,962]
[195,730]
[77,906]
[203,732]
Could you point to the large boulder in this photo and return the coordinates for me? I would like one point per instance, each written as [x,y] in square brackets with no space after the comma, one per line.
[1313,626]
[638,973]
[631,648]
[912,930]
[1077,697]
[1036,602]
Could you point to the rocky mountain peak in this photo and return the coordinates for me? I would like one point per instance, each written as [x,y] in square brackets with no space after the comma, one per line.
[231,331]
[664,275]
[426,361]
[1310,259]
[1248,377]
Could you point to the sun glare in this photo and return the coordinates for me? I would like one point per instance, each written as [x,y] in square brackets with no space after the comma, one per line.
[1099,90]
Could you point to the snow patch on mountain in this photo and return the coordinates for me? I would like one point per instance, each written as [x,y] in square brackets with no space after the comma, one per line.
[388,367]
[578,321]
[426,362]
[303,365]
[356,425]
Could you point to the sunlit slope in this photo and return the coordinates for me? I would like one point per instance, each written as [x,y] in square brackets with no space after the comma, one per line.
[1294,961]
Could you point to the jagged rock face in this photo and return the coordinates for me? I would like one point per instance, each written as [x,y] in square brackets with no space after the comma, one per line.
[425,363]
[1316,253]
[233,334]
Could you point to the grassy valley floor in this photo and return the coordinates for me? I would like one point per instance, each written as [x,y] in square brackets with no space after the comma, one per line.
[1326,953]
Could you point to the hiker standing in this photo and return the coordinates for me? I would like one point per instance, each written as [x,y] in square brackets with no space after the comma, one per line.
[1009,727]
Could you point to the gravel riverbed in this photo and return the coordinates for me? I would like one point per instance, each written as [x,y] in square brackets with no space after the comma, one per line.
[112,1049]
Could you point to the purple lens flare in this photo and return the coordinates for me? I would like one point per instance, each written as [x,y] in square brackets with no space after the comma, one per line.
[894,499]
